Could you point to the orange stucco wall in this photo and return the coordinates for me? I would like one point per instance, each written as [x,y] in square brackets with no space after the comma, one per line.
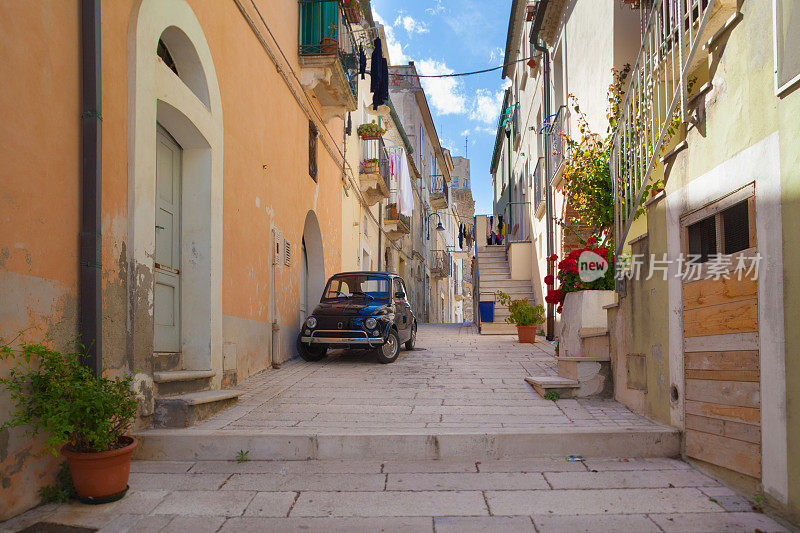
[265,183]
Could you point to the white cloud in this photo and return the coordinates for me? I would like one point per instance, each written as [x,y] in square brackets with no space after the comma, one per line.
[486,107]
[397,55]
[437,8]
[446,95]
[410,24]
[496,54]
[465,132]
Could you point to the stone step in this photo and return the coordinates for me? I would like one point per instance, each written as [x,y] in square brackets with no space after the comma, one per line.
[498,328]
[166,361]
[184,410]
[544,441]
[563,386]
[182,381]
[516,294]
[510,284]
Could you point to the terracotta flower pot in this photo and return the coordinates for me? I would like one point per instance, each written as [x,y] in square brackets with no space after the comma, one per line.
[102,474]
[329,45]
[526,334]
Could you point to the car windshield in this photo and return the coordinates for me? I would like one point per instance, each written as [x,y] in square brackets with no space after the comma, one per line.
[357,286]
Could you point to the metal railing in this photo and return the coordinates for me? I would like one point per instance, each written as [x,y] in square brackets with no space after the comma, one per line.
[519,213]
[439,187]
[558,146]
[324,30]
[538,183]
[375,159]
[655,102]
[440,263]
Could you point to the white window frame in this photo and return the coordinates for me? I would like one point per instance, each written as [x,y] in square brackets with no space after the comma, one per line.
[777,23]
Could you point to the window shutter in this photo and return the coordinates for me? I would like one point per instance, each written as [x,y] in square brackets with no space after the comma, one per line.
[312,150]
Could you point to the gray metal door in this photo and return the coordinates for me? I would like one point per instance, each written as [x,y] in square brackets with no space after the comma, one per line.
[167,297]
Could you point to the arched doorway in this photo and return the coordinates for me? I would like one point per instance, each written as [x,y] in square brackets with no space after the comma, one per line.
[175,190]
[312,267]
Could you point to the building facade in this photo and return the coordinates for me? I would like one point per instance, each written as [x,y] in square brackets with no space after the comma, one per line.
[461,187]
[201,180]
[710,169]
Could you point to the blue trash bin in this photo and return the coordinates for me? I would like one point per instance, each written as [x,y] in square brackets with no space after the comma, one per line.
[487,311]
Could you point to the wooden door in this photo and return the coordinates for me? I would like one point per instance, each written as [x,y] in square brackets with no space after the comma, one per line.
[721,357]
[167,291]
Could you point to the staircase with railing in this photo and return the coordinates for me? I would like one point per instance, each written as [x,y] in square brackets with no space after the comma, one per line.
[656,100]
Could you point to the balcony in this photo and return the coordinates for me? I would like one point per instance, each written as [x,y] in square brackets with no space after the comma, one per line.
[328,57]
[558,146]
[374,171]
[656,99]
[518,219]
[396,225]
[440,264]
[538,181]
[439,192]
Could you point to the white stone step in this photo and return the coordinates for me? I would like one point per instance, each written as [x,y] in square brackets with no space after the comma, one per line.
[543,384]
[498,328]
[186,410]
[544,441]
[492,282]
[173,382]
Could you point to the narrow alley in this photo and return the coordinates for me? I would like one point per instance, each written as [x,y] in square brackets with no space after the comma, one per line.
[449,438]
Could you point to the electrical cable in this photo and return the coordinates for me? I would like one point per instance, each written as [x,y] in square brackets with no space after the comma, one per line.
[459,74]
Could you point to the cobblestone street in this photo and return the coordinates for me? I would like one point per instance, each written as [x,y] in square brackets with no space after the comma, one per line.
[455,382]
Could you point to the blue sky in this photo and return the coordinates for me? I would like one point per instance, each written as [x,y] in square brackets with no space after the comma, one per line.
[446,36]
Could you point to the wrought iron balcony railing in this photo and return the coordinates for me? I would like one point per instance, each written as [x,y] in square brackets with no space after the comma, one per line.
[439,190]
[655,101]
[324,30]
[440,263]
[558,146]
[375,159]
[538,184]
[518,217]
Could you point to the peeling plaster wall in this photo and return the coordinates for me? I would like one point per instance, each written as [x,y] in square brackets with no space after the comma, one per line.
[265,185]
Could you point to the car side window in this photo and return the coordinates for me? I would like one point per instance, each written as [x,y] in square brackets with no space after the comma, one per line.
[401,288]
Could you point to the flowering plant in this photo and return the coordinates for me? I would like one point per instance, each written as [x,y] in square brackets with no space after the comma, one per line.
[569,279]
[370,130]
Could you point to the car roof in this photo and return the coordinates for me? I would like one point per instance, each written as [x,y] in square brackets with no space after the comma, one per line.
[366,272]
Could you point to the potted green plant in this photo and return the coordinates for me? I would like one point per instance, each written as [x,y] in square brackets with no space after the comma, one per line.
[370,131]
[83,416]
[527,317]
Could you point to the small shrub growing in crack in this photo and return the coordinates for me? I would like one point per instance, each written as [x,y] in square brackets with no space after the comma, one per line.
[552,396]
[242,456]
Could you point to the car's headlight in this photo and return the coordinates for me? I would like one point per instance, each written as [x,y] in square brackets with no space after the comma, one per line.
[370,323]
[311,322]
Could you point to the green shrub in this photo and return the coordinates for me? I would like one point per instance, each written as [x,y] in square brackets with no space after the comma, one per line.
[55,395]
[521,312]
[552,395]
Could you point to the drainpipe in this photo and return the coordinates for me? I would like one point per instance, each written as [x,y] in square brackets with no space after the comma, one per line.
[541,47]
[90,303]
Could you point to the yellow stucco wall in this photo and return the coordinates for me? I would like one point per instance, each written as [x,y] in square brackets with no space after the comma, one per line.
[265,184]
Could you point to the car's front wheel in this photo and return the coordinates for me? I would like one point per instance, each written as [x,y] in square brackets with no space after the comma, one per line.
[389,350]
[412,340]
[311,353]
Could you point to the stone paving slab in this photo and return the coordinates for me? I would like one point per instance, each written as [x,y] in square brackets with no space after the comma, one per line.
[454,377]
[453,495]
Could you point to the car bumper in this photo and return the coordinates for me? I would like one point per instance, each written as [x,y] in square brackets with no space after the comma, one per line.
[345,338]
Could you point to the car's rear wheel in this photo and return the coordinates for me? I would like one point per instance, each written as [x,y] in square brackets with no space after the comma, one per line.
[389,350]
[413,339]
[311,353]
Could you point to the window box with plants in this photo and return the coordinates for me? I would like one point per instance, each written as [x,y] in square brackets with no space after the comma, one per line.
[370,131]
[370,166]
[84,417]
[525,316]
